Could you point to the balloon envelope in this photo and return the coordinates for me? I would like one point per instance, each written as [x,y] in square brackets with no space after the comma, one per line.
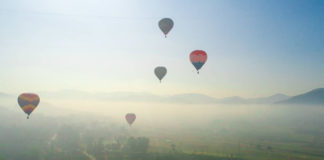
[28,102]
[166,24]
[198,58]
[130,118]
[160,72]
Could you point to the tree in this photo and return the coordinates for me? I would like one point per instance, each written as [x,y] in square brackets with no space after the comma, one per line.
[68,139]
[136,148]
[173,147]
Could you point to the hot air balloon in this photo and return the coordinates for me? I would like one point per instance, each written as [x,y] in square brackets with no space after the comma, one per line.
[166,24]
[28,102]
[130,118]
[160,72]
[198,58]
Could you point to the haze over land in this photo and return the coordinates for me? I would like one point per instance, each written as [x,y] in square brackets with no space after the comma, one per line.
[162,130]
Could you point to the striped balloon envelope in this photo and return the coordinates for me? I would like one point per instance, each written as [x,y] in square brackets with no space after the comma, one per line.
[198,58]
[28,102]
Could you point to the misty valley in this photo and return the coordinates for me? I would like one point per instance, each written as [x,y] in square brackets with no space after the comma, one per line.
[165,132]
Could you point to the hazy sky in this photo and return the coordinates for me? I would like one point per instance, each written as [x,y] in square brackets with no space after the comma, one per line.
[255,47]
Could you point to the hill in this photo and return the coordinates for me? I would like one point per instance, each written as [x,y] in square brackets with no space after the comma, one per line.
[314,97]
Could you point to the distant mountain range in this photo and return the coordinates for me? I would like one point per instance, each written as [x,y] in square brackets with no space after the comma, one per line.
[314,97]
[3,95]
[261,100]
[188,98]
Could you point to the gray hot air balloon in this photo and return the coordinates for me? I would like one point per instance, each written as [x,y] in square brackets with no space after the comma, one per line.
[160,72]
[166,25]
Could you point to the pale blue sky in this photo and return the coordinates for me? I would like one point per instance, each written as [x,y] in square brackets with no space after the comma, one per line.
[255,47]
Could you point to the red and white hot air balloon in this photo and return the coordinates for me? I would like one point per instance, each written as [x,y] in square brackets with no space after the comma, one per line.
[198,58]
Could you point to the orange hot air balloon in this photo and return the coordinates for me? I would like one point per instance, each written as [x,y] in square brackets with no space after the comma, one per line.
[28,102]
[130,118]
